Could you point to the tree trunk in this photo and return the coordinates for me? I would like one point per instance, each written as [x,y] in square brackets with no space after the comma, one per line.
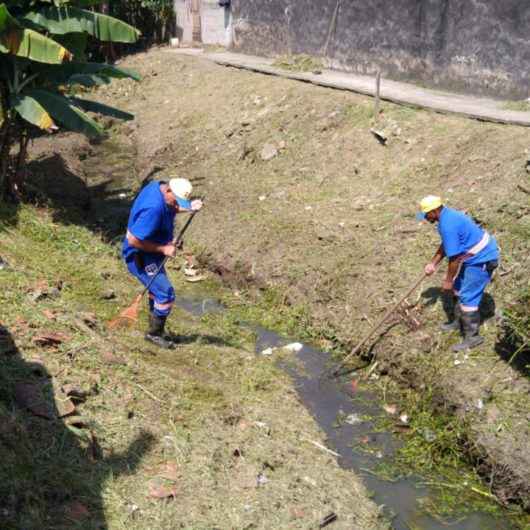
[19,172]
[6,138]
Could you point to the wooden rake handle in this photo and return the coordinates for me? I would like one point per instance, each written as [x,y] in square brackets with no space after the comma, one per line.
[379,324]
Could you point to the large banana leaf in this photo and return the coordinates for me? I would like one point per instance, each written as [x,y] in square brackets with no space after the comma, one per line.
[69,116]
[88,80]
[27,43]
[88,74]
[100,108]
[31,110]
[68,19]
[67,70]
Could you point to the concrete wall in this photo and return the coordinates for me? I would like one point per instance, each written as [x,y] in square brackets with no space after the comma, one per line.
[215,21]
[478,46]
[184,22]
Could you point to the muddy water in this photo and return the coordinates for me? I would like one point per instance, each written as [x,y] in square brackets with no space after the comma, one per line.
[327,399]
[110,177]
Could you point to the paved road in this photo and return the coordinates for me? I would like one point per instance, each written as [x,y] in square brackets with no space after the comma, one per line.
[479,108]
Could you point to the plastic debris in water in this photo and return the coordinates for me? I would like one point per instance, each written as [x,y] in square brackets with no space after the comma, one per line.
[390,409]
[404,418]
[353,419]
[267,351]
[294,347]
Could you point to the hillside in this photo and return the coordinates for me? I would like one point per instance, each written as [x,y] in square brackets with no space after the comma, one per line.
[305,210]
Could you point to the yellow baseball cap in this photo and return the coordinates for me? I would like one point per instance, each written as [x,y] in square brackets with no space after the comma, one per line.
[427,204]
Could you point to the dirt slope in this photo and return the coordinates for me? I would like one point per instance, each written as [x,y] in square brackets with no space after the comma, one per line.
[99,430]
[328,220]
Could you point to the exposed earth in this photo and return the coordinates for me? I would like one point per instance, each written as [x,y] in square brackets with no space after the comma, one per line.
[306,207]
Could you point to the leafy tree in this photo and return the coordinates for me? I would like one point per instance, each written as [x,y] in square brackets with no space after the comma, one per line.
[42,55]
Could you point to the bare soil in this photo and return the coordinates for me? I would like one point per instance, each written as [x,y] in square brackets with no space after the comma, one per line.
[329,222]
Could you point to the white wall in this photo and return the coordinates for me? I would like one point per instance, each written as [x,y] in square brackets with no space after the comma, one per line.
[216,22]
[184,19]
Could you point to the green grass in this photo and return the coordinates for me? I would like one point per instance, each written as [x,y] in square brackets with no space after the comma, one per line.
[199,409]
[517,105]
[298,63]
[435,448]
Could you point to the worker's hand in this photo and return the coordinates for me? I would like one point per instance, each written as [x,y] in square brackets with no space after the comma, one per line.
[429,269]
[196,205]
[169,250]
[447,285]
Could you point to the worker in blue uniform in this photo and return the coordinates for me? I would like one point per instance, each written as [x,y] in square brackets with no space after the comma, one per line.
[473,256]
[149,240]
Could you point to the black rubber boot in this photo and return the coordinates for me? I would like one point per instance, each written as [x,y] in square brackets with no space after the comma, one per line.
[470,325]
[155,334]
[453,311]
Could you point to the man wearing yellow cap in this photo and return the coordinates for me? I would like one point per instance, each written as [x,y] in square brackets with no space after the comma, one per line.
[473,256]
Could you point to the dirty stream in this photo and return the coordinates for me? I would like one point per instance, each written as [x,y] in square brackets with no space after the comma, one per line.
[111,177]
[327,400]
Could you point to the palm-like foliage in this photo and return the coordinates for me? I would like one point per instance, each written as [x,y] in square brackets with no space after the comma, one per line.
[42,54]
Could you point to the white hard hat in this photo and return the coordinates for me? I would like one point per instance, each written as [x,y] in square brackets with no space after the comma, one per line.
[181,188]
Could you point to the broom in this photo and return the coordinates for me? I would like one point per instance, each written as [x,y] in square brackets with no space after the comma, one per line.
[130,314]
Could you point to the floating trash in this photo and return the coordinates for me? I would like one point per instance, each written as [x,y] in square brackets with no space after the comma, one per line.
[294,347]
[353,419]
[390,409]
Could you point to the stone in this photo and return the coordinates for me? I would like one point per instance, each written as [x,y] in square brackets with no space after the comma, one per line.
[268,152]
[109,294]
[3,264]
[380,136]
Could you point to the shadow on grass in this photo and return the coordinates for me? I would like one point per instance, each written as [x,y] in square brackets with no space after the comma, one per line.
[197,338]
[50,476]
[513,344]
[101,204]
[519,359]
[8,215]
[434,294]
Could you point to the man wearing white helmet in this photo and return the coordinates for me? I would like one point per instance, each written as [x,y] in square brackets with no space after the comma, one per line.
[149,240]
[473,256]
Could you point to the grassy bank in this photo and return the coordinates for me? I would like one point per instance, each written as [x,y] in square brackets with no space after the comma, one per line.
[328,221]
[208,435]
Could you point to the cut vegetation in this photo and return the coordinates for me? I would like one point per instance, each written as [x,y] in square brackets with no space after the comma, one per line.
[320,232]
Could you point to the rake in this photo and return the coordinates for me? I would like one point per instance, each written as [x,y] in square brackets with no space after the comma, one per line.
[129,315]
[337,370]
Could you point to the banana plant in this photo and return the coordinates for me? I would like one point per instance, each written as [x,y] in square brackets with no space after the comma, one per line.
[42,55]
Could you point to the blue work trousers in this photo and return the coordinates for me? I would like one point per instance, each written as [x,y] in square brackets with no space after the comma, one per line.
[161,293]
